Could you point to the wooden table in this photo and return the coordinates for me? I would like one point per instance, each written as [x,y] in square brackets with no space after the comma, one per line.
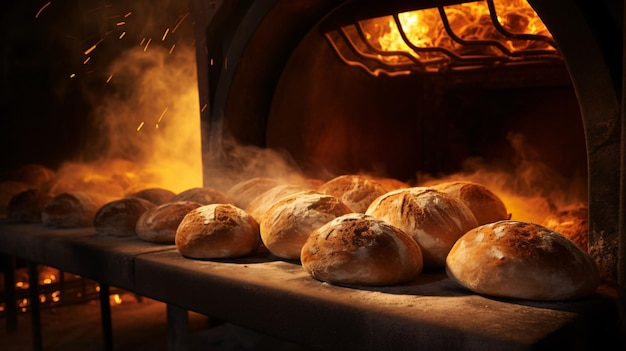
[278,298]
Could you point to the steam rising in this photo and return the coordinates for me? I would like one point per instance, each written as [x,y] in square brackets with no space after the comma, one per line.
[531,190]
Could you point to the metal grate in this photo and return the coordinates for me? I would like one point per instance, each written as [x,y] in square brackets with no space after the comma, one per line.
[354,45]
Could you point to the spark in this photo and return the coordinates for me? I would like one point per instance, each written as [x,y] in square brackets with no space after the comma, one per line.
[122,35]
[148,43]
[86,60]
[140,126]
[165,34]
[180,22]
[120,23]
[42,8]
[117,299]
[109,79]
[93,47]
[160,118]
[128,14]
[72,75]
[172,48]
[204,107]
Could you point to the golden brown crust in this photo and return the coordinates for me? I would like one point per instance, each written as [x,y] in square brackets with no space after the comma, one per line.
[521,260]
[217,231]
[358,249]
[485,204]
[159,224]
[119,217]
[287,224]
[356,191]
[434,219]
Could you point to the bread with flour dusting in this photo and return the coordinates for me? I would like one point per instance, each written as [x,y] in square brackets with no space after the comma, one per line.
[521,260]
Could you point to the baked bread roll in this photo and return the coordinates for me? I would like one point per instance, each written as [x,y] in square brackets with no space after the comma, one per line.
[521,260]
[155,195]
[159,224]
[358,249]
[263,202]
[119,217]
[434,219]
[203,196]
[244,192]
[288,223]
[486,206]
[26,207]
[74,209]
[356,191]
[8,189]
[217,231]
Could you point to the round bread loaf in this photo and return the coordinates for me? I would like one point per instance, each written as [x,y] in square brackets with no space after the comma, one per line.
[521,260]
[159,224]
[73,209]
[26,207]
[263,202]
[287,224]
[434,219]
[8,189]
[157,195]
[244,192]
[358,249]
[486,206]
[354,190]
[119,217]
[203,196]
[217,231]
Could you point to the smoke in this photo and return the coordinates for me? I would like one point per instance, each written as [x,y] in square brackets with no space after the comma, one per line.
[531,190]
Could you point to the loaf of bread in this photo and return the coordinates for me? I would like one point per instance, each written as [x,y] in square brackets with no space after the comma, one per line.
[155,195]
[486,206]
[159,224]
[244,192]
[521,260]
[203,196]
[390,183]
[8,189]
[26,207]
[287,224]
[217,231]
[358,249]
[73,209]
[119,217]
[263,202]
[356,191]
[433,218]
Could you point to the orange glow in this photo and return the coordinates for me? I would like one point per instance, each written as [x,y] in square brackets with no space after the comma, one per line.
[117,299]
[468,21]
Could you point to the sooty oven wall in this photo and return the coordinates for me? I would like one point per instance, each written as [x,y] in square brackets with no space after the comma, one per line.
[266,78]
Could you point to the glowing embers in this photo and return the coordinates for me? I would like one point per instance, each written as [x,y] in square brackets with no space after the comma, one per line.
[468,35]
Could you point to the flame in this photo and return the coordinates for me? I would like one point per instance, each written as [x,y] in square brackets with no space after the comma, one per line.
[469,21]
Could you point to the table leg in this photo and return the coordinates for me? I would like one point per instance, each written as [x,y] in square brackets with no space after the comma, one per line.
[35,311]
[177,328]
[10,304]
[105,314]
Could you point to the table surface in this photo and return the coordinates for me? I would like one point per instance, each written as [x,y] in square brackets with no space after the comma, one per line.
[279,298]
